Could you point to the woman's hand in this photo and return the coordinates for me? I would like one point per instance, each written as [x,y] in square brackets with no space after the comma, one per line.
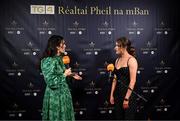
[76,76]
[68,72]
[125,104]
[112,100]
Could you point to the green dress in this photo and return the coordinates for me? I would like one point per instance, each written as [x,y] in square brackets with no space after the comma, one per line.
[57,102]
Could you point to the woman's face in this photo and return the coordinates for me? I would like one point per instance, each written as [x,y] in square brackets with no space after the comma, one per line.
[61,48]
[118,49]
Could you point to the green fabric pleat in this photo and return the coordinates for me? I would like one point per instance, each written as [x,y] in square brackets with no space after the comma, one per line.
[57,101]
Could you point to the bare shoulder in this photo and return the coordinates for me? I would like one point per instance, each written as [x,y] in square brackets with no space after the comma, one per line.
[132,61]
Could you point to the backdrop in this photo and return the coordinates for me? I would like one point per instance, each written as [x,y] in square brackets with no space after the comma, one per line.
[90,29]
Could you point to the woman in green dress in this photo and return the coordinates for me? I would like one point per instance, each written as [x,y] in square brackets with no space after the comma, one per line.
[57,101]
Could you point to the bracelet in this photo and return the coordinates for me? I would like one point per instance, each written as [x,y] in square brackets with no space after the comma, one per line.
[126,99]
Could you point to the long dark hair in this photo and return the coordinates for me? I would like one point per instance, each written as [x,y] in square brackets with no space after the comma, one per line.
[53,42]
[126,43]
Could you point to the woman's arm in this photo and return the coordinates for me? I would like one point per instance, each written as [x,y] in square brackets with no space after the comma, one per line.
[52,79]
[133,71]
[114,82]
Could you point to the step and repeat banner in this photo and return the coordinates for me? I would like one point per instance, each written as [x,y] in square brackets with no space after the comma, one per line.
[90,28]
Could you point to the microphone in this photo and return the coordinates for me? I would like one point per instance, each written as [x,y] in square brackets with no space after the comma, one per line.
[66,61]
[110,68]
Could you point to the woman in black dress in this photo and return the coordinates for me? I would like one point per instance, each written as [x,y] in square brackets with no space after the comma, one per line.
[124,76]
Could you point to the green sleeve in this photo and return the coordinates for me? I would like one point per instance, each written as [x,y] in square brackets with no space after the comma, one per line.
[52,76]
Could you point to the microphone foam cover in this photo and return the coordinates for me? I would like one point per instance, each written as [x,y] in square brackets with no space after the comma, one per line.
[66,59]
[110,67]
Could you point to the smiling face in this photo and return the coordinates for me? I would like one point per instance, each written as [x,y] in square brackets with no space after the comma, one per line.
[61,48]
[119,49]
